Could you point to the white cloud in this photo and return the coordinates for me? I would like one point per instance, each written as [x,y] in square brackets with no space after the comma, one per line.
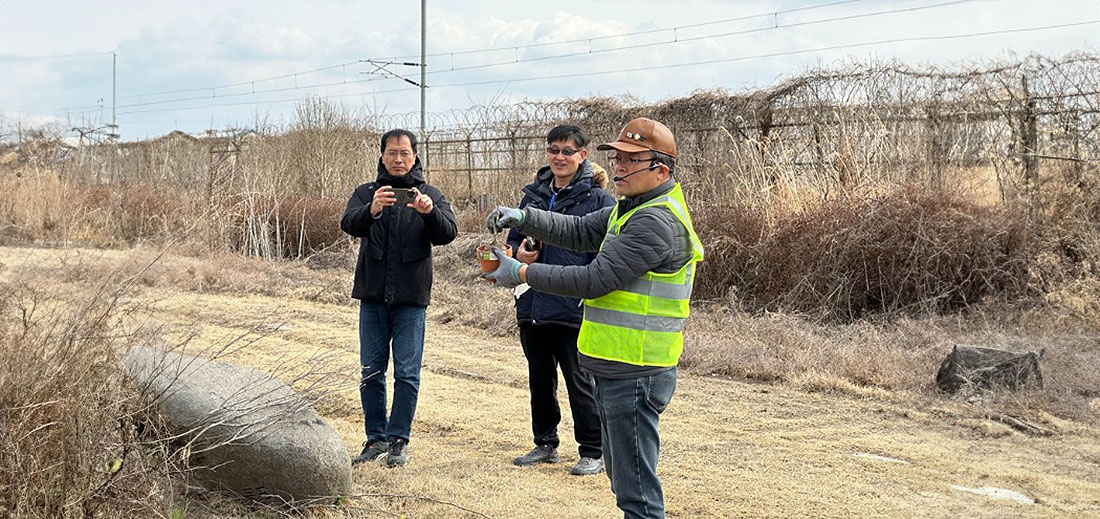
[205,43]
[260,41]
[12,122]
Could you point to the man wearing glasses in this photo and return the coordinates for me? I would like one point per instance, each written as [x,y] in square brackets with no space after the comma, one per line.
[636,293]
[399,217]
[548,323]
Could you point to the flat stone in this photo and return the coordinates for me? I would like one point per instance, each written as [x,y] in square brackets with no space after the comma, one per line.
[248,431]
[876,457]
[996,493]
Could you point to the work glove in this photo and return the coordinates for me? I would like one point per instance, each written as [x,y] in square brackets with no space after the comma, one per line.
[503,217]
[507,274]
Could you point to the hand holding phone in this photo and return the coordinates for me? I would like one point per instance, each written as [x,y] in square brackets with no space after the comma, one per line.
[403,195]
[386,196]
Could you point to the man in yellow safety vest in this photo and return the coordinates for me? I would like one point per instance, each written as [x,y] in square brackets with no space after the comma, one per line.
[636,293]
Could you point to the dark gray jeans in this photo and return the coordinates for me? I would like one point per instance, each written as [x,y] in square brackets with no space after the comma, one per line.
[630,410]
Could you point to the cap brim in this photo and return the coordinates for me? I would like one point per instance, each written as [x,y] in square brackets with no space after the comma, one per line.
[628,147]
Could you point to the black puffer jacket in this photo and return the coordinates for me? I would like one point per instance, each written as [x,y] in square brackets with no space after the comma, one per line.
[579,198]
[395,254]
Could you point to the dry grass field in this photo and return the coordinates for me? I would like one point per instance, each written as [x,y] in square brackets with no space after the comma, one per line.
[858,223]
[809,443]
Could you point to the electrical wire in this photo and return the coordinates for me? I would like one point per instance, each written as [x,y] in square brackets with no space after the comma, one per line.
[486,50]
[244,83]
[769,14]
[779,54]
[542,58]
[653,67]
[697,38]
[54,56]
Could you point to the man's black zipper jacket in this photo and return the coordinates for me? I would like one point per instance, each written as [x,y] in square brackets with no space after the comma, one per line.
[395,253]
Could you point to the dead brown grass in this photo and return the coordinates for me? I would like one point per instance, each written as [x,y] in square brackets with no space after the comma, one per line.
[39,206]
[910,251]
[835,391]
[899,357]
[74,437]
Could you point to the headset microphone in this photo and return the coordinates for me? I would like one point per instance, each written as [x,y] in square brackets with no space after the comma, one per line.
[652,166]
[624,177]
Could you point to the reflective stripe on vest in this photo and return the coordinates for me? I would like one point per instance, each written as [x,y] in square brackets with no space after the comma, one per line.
[642,323]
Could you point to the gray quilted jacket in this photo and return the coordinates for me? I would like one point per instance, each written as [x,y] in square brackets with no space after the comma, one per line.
[653,239]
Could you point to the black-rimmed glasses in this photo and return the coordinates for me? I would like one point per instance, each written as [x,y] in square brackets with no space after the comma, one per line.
[615,160]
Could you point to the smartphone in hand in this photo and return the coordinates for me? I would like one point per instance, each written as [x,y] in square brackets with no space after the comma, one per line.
[404,196]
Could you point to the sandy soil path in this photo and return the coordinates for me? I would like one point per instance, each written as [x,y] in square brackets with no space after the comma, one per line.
[729,448]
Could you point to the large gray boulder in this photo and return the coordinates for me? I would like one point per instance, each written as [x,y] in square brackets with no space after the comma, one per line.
[247,431]
[978,368]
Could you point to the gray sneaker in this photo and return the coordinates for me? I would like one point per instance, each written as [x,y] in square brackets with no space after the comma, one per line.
[399,454]
[372,451]
[587,467]
[540,454]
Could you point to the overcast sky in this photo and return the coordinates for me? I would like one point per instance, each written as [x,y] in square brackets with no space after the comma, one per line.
[205,64]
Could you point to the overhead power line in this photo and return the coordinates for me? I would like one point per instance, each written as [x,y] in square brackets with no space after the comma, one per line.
[252,92]
[650,67]
[56,56]
[213,93]
[709,36]
[781,53]
[769,14]
[244,83]
[213,89]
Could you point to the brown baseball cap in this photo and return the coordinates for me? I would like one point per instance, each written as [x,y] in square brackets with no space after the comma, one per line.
[643,134]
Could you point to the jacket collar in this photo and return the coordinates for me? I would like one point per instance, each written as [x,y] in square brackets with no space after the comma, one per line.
[414,177]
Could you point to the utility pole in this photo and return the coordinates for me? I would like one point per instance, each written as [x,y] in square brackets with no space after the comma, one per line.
[113,134]
[423,73]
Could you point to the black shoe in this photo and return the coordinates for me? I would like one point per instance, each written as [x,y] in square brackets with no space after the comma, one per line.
[398,455]
[540,454]
[587,466]
[372,451]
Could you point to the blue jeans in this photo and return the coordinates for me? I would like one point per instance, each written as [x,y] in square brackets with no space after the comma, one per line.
[630,410]
[380,324]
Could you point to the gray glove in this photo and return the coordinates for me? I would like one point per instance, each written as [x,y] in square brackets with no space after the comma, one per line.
[507,274]
[504,217]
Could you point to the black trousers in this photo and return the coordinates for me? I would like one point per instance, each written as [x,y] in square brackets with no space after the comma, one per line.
[546,347]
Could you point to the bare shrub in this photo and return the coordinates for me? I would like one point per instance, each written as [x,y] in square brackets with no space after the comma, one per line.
[909,251]
[326,151]
[71,440]
[728,234]
[78,436]
[293,227]
[471,218]
[49,209]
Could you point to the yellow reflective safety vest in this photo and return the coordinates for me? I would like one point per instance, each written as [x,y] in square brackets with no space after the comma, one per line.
[642,323]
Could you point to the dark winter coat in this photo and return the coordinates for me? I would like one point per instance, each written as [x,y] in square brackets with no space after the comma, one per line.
[580,197]
[395,253]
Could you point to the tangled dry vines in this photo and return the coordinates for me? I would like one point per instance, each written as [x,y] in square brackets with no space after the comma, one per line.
[813,151]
